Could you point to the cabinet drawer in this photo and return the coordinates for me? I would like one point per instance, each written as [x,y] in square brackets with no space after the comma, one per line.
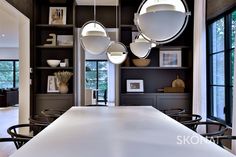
[50,101]
[138,100]
[174,100]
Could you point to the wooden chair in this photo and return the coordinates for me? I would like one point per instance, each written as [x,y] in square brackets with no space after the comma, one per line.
[187,118]
[174,111]
[211,129]
[14,130]
[223,140]
[19,142]
[52,114]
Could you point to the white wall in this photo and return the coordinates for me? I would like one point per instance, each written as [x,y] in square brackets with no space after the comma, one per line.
[24,59]
[9,53]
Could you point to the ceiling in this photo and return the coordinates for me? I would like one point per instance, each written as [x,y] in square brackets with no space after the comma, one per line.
[98,2]
[8,30]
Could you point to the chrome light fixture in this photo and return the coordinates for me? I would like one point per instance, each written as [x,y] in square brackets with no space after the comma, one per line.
[117,52]
[94,37]
[141,47]
[162,21]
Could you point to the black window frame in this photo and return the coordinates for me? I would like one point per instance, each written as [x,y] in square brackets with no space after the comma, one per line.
[14,69]
[227,69]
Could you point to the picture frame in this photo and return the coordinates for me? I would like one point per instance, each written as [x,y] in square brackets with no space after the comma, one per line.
[53,84]
[65,40]
[170,58]
[57,15]
[134,86]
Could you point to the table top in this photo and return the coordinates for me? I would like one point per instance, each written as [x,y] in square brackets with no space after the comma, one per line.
[118,132]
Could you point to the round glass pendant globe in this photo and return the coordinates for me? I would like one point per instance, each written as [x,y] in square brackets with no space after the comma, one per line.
[117,53]
[163,21]
[94,38]
[140,49]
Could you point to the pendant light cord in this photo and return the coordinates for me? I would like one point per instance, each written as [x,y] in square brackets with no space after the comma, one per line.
[117,17]
[94,12]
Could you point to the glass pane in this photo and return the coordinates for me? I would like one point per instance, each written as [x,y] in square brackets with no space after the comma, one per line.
[232,68]
[17,65]
[233,24]
[102,75]
[6,65]
[102,65]
[219,102]
[218,69]
[91,74]
[218,35]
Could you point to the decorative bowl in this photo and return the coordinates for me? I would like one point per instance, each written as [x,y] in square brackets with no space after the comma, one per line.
[141,62]
[53,62]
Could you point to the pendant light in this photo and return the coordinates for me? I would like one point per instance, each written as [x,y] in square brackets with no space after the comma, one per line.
[141,47]
[117,52]
[161,21]
[94,37]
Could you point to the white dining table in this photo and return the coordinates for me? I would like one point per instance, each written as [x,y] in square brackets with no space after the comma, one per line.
[118,132]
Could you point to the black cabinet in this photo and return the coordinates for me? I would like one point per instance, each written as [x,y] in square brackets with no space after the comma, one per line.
[161,101]
[43,99]
[154,76]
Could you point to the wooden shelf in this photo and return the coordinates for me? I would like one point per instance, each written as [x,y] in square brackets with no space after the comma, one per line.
[54,47]
[54,94]
[133,27]
[55,26]
[156,68]
[54,68]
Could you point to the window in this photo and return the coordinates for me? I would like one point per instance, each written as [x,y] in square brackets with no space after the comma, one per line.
[9,74]
[96,77]
[221,35]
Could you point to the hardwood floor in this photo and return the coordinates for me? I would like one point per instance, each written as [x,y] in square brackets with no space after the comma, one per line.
[8,117]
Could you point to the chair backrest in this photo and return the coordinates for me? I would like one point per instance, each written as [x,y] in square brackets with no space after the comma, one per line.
[52,114]
[211,129]
[173,111]
[187,118]
[224,141]
[19,142]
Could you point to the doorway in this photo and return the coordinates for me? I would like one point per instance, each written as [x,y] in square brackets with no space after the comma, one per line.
[21,37]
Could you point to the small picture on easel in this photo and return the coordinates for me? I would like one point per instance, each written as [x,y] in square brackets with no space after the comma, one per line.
[57,15]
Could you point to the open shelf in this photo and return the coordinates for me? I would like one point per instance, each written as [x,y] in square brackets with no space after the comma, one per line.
[53,47]
[156,68]
[54,26]
[54,68]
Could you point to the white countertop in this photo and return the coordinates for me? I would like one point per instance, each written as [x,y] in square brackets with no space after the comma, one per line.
[117,132]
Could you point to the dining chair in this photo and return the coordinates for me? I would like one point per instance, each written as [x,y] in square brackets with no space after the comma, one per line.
[19,142]
[208,129]
[52,114]
[25,130]
[224,141]
[173,111]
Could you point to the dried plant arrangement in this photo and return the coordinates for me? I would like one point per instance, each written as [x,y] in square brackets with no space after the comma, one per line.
[63,76]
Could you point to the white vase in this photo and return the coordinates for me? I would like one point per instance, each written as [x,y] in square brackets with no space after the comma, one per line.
[63,88]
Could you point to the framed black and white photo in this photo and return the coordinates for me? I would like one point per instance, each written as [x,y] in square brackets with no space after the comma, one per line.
[170,58]
[57,15]
[65,40]
[53,84]
[134,86]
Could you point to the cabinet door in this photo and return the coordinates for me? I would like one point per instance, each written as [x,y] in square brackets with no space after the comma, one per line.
[62,102]
[138,100]
[167,101]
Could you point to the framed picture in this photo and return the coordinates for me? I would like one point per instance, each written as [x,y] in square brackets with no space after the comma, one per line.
[65,40]
[134,86]
[170,58]
[53,84]
[57,15]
